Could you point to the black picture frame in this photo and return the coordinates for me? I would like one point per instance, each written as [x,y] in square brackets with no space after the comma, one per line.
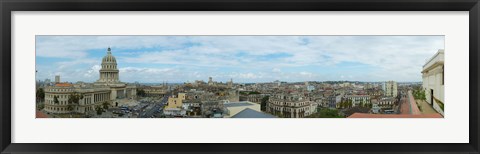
[7,6]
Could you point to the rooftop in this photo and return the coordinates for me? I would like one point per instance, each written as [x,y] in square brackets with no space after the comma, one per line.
[367,115]
[63,85]
[249,113]
[237,104]
[438,58]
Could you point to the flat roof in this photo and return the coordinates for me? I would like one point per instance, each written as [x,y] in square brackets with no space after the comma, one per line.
[237,104]
[249,113]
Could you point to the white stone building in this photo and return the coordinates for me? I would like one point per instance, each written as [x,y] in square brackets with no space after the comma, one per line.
[433,81]
[290,106]
[107,89]
[390,89]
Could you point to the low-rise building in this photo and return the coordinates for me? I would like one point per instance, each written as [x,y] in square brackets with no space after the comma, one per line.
[358,99]
[176,101]
[235,107]
[155,91]
[290,106]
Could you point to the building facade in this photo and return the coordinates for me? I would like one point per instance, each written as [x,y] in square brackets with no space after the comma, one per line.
[390,88]
[108,89]
[290,106]
[433,81]
[358,99]
[176,101]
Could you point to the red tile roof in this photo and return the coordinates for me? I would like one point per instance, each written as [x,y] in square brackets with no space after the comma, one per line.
[63,85]
[367,115]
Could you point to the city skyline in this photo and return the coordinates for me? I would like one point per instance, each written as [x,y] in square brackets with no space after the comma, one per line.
[245,59]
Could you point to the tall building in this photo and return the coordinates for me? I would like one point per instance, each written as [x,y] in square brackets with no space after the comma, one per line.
[57,78]
[210,81]
[107,89]
[390,89]
[433,81]
[230,83]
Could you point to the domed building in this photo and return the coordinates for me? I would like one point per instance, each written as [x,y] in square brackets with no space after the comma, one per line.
[109,71]
[107,89]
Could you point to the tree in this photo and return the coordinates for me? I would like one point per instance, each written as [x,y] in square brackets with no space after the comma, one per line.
[40,106]
[40,94]
[350,103]
[55,99]
[263,103]
[141,92]
[105,105]
[70,107]
[99,110]
[73,100]
[356,109]
[325,113]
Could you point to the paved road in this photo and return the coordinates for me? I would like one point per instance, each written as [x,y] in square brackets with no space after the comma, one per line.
[404,106]
[408,105]
[155,108]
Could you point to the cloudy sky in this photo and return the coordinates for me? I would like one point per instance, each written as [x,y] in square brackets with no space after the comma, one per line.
[176,59]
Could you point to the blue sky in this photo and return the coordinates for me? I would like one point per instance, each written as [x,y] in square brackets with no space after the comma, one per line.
[243,58]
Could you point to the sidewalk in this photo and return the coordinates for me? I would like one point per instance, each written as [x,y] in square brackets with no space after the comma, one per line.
[426,108]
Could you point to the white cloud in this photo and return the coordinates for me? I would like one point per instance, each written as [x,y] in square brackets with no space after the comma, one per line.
[93,72]
[249,57]
[276,70]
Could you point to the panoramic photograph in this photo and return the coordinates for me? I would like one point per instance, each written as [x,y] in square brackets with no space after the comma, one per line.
[229,76]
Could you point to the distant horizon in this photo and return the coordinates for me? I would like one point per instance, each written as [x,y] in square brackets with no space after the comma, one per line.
[246,59]
[350,81]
